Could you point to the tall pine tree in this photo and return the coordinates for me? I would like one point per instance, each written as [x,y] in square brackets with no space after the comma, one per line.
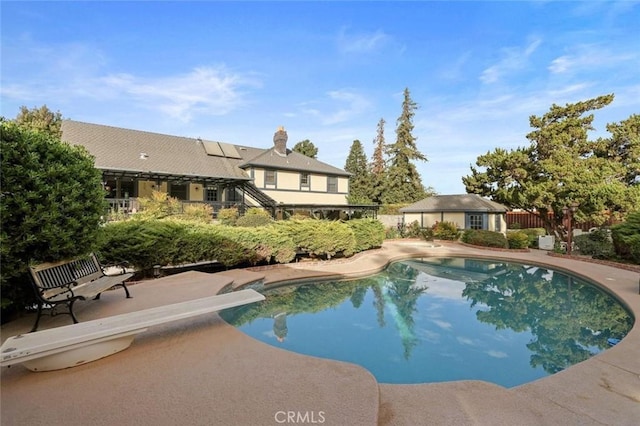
[378,166]
[403,183]
[360,180]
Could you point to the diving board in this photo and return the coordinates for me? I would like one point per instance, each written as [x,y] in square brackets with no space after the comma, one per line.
[77,344]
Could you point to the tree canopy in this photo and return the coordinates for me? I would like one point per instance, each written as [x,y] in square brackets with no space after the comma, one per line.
[562,167]
[403,183]
[51,204]
[40,119]
[306,147]
[360,186]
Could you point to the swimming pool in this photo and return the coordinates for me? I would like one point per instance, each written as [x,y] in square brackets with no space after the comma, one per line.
[443,319]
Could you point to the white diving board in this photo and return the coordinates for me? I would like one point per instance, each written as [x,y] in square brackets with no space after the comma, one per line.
[77,344]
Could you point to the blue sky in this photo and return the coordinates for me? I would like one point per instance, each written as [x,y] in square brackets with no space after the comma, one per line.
[326,71]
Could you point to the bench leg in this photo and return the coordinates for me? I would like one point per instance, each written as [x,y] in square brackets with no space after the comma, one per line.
[126,290]
[35,326]
[75,320]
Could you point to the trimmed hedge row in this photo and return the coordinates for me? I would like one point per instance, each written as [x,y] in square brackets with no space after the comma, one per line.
[145,243]
[480,237]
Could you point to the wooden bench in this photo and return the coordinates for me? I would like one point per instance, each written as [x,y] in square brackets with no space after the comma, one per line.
[77,344]
[64,282]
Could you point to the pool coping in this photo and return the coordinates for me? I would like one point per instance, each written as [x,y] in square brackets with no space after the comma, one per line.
[254,382]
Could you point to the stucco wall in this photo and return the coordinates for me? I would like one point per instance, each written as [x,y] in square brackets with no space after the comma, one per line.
[427,220]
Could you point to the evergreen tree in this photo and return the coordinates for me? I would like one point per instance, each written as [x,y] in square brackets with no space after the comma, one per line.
[360,179]
[51,205]
[403,183]
[306,147]
[377,166]
[561,167]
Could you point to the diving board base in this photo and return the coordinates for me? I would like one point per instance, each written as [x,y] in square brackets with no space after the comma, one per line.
[83,354]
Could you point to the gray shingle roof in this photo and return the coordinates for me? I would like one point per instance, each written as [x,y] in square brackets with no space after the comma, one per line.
[454,203]
[292,161]
[116,148]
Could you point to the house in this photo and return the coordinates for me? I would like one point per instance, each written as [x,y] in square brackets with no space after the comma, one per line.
[135,163]
[467,211]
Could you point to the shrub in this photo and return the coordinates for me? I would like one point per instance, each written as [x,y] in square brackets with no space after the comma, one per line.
[51,206]
[200,212]
[368,233]
[517,240]
[533,234]
[626,238]
[413,230]
[322,238]
[148,242]
[228,216]
[254,217]
[392,232]
[158,206]
[597,244]
[481,237]
[445,231]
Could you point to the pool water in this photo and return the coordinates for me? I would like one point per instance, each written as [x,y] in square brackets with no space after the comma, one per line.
[443,319]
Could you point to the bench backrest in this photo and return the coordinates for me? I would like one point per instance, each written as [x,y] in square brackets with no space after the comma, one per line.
[53,276]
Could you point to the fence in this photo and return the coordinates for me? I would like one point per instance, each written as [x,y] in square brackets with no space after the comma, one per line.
[527,220]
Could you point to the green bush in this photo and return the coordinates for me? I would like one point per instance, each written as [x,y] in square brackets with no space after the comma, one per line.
[533,234]
[369,233]
[445,231]
[517,240]
[51,206]
[391,233]
[145,243]
[597,244]
[626,238]
[320,238]
[228,216]
[254,217]
[158,205]
[481,237]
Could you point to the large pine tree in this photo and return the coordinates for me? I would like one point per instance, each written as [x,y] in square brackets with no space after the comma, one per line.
[403,183]
[360,180]
[378,165]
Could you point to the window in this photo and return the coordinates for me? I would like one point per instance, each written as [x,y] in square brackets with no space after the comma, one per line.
[475,221]
[304,180]
[332,184]
[269,177]
[498,222]
[211,193]
[178,190]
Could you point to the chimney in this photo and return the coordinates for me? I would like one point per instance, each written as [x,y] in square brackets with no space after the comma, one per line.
[280,141]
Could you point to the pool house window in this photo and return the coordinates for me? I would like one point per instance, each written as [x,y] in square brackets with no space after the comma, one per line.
[476,221]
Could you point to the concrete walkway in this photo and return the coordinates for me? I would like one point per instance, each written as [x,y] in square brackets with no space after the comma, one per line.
[205,372]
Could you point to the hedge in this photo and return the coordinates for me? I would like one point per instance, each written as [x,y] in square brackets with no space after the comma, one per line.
[480,237]
[144,243]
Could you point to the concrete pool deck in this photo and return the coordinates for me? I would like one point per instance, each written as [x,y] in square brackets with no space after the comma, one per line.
[205,372]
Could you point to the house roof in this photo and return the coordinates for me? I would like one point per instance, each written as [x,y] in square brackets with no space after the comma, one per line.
[146,154]
[455,203]
[292,161]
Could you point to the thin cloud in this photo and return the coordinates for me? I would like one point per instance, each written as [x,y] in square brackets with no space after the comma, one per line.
[513,59]
[75,72]
[588,57]
[361,43]
[339,106]
[203,91]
